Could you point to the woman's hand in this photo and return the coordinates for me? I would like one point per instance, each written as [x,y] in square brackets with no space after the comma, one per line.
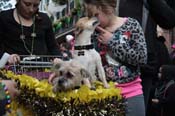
[12,88]
[13,59]
[155,101]
[104,35]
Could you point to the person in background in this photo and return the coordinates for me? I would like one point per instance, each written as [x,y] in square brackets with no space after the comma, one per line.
[163,59]
[161,49]
[163,101]
[26,31]
[149,13]
[125,51]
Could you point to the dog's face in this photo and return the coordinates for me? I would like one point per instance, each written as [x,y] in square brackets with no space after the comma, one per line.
[69,75]
[86,26]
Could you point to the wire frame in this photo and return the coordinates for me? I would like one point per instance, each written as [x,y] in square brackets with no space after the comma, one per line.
[36,66]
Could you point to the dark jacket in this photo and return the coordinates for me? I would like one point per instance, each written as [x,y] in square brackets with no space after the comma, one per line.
[162,51]
[161,12]
[43,44]
[166,99]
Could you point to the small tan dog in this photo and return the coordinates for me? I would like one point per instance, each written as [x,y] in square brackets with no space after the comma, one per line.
[84,51]
[69,75]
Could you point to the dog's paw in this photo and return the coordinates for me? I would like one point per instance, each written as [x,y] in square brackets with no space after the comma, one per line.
[106,86]
[87,82]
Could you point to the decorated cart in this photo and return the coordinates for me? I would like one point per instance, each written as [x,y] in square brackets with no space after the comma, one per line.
[37,99]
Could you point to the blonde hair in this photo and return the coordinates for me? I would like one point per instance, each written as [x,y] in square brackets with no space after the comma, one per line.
[106,6]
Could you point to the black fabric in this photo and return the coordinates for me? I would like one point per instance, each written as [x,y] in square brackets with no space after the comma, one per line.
[131,8]
[168,72]
[2,107]
[146,84]
[10,30]
[163,12]
[168,102]
[162,52]
[165,92]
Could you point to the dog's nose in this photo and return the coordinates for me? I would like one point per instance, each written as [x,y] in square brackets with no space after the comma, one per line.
[61,81]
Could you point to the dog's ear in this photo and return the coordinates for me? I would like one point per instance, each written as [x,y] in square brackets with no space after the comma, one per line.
[80,25]
[57,64]
[78,28]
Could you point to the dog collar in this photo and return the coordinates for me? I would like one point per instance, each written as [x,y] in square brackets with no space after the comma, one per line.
[84,47]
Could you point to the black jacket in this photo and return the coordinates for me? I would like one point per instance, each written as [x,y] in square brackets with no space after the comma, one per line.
[43,44]
[161,12]
[167,101]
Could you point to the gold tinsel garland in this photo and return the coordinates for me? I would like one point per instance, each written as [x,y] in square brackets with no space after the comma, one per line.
[78,98]
[83,94]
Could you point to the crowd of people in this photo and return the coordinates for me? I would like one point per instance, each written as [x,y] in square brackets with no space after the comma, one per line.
[127,37]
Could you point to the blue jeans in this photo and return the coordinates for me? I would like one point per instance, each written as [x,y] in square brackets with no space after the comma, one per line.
[135,106]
